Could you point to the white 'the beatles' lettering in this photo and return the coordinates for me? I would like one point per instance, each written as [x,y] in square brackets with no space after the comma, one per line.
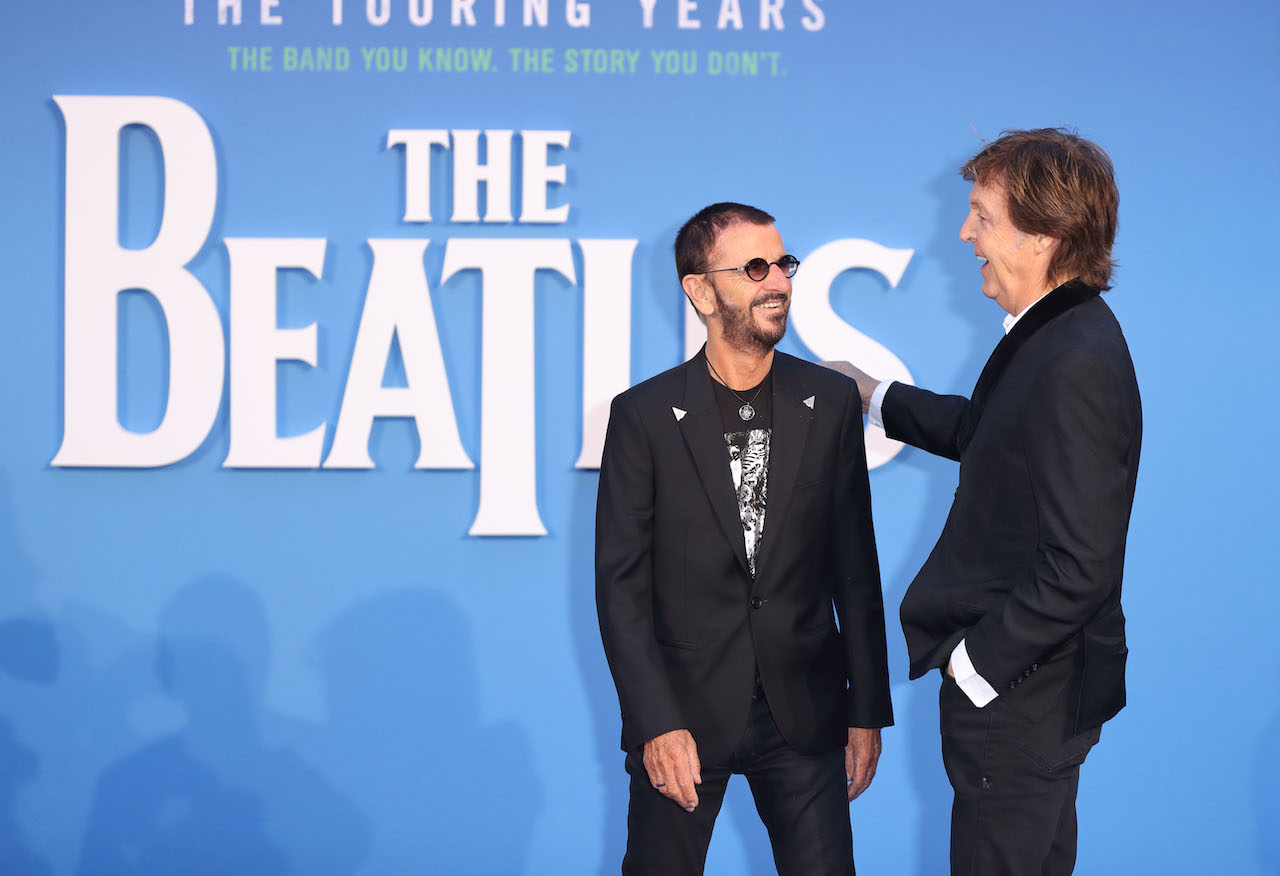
[397,307]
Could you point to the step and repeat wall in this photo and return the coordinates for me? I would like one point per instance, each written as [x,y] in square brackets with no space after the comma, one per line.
[312,311]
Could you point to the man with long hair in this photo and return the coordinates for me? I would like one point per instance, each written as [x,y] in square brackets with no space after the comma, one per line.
[1019,603]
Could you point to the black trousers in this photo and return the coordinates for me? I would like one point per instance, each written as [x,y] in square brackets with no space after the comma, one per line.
[802,801]
[1015,785]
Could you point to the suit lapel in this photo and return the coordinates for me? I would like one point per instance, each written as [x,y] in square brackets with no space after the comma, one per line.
[1059,301]
[703,432]
[791,419]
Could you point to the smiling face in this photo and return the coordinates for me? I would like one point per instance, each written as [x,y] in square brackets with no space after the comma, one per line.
[1015,264]
[751,315]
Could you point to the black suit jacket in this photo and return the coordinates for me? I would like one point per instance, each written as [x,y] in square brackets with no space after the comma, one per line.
[683,624]
[1028,567]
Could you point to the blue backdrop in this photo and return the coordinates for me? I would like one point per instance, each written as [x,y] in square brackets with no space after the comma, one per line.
[291,666]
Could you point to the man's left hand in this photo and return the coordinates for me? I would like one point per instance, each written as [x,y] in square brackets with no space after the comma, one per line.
[861,755]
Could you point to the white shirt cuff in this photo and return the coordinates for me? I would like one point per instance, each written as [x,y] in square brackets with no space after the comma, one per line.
[877,399]
[975,687]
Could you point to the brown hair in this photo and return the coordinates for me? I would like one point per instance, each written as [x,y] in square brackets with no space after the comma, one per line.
[697,237]
[1060,185]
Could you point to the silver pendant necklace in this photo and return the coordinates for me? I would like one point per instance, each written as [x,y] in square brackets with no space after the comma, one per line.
[746,412]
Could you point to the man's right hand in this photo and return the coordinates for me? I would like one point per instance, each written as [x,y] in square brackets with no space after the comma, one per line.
[866,383]
[672,763]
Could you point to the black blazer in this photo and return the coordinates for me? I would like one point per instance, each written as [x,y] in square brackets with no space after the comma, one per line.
[683,624]
[1028,567]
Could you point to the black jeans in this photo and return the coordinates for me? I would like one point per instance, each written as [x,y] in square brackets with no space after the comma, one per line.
[802,801]
[1015,785]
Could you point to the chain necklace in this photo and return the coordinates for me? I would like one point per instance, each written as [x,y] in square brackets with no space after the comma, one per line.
[746,412]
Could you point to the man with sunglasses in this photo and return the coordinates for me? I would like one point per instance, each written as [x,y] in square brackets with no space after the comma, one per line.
[736,574]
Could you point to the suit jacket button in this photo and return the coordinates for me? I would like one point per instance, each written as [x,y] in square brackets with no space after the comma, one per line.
[756,602]
[1035,666]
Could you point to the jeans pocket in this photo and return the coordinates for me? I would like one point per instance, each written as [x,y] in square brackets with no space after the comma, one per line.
[683,646]
[1053,755]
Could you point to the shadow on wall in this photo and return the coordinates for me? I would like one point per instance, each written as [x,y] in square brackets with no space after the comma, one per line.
[606,718]
[28,645]
[404,729]
[29,653]
[18,765]
[214,797]
[1266,796]
[29,650]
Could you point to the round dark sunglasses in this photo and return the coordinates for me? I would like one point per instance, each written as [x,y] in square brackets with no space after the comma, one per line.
[757,269]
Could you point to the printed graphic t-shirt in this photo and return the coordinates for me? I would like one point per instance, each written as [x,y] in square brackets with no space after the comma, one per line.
[748,443]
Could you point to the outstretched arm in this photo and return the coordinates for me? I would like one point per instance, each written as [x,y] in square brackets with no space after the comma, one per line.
[920,418]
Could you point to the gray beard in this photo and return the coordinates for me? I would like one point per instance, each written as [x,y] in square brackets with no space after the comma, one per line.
[742,332]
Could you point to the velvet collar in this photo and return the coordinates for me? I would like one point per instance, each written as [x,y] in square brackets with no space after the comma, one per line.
[1070,294]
